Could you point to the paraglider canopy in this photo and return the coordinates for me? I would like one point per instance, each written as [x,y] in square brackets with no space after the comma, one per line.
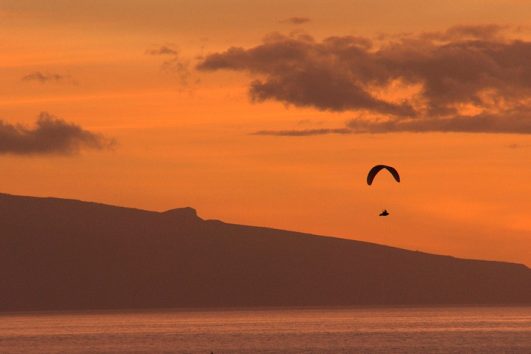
[374,171]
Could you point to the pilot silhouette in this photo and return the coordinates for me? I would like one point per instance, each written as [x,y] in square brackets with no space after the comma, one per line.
[384,213]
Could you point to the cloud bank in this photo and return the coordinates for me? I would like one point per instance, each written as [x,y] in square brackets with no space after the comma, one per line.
[464,79]
[50,136]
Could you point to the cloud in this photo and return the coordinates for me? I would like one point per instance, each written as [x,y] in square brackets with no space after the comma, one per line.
[164,50]
[45,77]
[517,121]
[174,65]
[295,20]
[50,136]
[301,72]
[511,123]
[483,32]
[517,146]
[467,78]
[304,132]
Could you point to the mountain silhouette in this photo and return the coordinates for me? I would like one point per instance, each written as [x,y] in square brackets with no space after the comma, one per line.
[58,254]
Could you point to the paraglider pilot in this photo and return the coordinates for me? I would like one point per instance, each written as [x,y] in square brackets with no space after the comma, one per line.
[374,171]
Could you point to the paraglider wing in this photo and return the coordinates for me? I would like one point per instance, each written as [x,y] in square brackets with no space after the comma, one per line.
[374,171]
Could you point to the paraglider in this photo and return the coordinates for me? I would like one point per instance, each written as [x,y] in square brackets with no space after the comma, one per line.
[374,171]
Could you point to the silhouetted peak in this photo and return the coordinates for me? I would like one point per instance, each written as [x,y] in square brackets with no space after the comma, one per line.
[182,213]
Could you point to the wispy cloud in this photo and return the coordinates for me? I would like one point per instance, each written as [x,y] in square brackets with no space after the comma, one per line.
[163,50]
[518,146]
[466,79]
[42,77]
[488,32]
[509,123]
[295,20]
[304,132]
[174,64]
[50,135]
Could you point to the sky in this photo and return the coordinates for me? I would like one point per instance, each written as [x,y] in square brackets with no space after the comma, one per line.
[271,113]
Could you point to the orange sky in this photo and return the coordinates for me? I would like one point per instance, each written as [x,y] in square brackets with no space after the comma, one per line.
[184,136]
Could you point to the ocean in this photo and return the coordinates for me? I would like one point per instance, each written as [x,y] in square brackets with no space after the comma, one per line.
[345,330]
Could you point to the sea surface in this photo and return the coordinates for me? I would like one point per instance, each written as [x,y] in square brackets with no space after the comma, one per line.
[353,330]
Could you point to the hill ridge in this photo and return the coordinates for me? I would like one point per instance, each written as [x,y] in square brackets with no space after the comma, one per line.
[58,254]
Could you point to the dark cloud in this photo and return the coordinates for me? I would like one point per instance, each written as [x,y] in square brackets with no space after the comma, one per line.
[45,77]
[302,72]
[50,136]
[295,20]
[304,132]
[467,78]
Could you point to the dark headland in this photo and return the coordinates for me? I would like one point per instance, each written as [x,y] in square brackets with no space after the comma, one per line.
[58,254]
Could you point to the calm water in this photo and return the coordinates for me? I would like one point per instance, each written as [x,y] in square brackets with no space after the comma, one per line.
[396,330]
